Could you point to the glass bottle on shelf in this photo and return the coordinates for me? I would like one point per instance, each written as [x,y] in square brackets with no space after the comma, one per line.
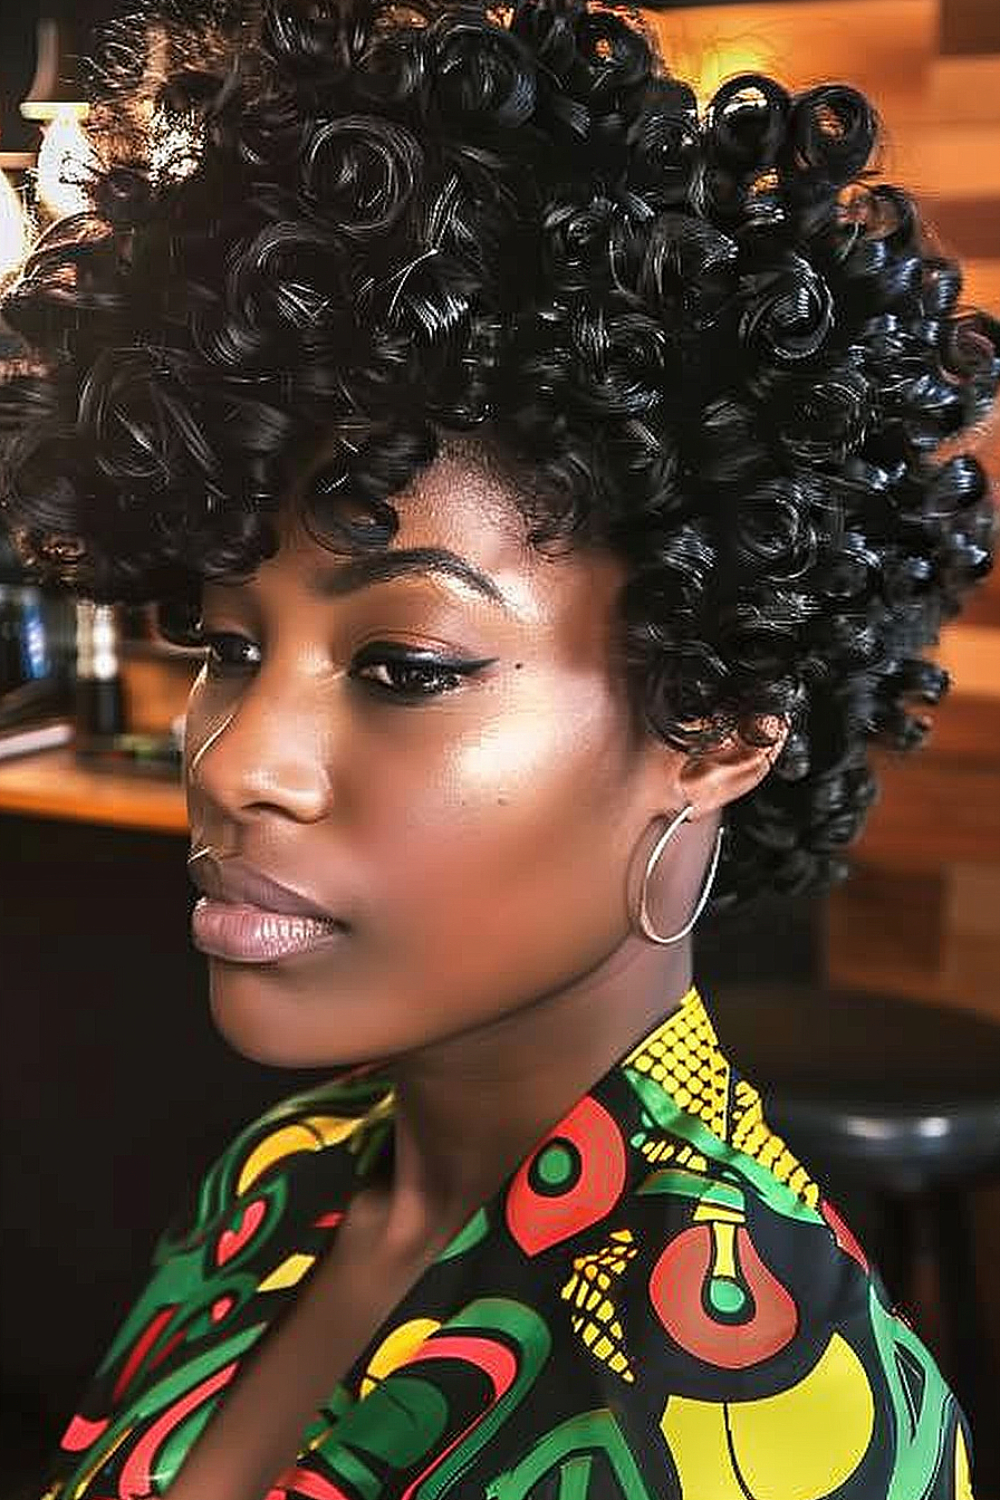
[100,706]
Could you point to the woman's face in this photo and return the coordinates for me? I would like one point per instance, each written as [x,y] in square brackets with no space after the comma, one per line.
[472,828]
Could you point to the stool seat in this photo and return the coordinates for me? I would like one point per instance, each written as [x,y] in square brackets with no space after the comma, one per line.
[904,1093]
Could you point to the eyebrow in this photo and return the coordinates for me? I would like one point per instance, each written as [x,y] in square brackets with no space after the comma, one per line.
[379,567]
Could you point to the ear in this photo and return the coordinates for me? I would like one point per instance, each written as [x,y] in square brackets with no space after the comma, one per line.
[711,779]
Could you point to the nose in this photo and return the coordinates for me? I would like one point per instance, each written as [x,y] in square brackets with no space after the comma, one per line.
[264,756]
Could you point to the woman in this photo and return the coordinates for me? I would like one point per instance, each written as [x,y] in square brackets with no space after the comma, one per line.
[550,477]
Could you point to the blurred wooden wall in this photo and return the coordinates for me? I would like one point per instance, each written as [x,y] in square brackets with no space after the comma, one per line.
[921,915]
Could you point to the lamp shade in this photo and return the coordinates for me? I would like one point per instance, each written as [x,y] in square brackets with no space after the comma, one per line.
[54,89]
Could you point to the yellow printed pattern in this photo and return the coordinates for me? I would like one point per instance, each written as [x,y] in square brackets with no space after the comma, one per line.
[754,1136]
[658,1149]
[782,1445]
[683,1057]
[588,1289]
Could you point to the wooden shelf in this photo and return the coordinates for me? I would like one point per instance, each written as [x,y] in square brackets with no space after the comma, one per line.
[52,785]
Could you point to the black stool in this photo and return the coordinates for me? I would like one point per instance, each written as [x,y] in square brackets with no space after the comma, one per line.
[900,1099]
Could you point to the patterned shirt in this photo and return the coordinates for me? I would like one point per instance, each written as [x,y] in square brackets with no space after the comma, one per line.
[658,1304]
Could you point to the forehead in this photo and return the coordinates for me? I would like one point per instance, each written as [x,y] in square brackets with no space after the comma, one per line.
[466,501]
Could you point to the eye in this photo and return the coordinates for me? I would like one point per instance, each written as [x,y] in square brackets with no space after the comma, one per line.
[409,676]
[227,653]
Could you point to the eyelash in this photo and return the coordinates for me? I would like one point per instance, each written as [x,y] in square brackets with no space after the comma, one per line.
[430,666]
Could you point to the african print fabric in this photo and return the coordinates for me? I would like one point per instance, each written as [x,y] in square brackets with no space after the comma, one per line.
[659,1304]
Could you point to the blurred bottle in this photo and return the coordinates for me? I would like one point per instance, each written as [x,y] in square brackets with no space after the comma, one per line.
[36,657]
[35,636]
[37,644]
[100,705]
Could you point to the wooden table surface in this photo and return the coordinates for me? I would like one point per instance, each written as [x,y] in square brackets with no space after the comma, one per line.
[50,784]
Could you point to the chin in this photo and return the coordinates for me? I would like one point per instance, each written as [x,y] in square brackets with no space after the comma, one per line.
[266,1026]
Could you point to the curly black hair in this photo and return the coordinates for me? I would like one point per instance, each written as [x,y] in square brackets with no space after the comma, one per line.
[708,341]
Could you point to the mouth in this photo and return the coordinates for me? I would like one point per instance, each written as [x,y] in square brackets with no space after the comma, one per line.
[243,933]
[237,882]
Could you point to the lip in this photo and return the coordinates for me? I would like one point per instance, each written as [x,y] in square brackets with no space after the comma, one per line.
[237,882]
[246,934]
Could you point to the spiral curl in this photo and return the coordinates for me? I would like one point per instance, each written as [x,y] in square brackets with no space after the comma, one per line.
[711,344]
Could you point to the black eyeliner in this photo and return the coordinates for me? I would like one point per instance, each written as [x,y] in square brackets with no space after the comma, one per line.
[388,651]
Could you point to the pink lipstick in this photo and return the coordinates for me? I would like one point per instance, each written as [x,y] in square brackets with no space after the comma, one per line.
[247,934]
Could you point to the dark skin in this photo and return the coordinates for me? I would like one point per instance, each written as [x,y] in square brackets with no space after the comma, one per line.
[486,844]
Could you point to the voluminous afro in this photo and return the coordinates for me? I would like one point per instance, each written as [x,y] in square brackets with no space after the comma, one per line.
[712,343]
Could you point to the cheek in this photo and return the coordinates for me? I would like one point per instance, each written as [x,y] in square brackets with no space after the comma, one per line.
[525,803]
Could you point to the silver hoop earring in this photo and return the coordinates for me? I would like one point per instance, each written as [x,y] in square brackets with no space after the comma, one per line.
[658,849]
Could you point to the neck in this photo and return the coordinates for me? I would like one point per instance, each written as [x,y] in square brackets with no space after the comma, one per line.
[468,1110]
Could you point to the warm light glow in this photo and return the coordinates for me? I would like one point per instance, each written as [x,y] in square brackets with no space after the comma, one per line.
[13,228]
[175,146]
[708,68]
[175,140]
[42,110]
[62,161]
[700,51]
[724,61]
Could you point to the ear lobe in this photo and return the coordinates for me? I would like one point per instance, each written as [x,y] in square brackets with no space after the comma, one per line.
[711,779]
